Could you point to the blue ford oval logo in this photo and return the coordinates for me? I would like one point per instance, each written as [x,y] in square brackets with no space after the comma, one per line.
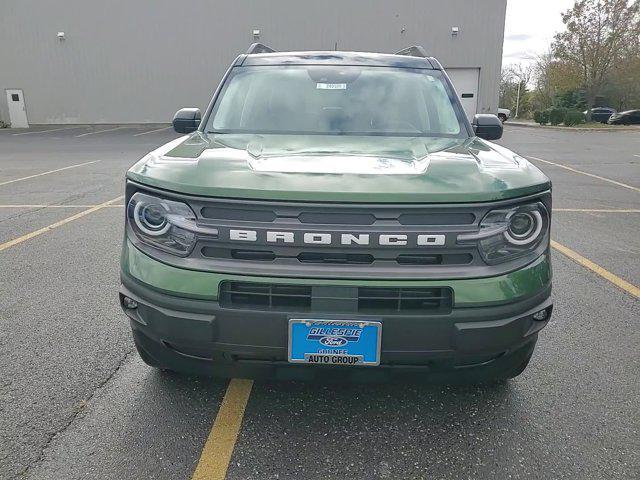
[333,341]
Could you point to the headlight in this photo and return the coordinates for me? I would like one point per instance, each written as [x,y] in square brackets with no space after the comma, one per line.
[151,218]
[524,227]
[510,233]
[165,224]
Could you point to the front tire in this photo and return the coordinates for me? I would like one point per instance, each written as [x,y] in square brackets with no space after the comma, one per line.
[502,117]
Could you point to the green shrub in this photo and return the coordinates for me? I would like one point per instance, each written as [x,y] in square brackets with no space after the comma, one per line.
[573,117]
[537,116]
[556,115]
[541,117]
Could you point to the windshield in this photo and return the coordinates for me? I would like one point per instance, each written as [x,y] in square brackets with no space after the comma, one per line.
[336,100]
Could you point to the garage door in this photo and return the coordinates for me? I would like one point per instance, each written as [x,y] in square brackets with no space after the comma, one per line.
[466,82]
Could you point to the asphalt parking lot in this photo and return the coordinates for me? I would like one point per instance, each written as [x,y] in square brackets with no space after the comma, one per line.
[76,401]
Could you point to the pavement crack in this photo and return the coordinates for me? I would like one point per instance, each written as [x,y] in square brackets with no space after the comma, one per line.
[20,214]
[65,201]
[79,407]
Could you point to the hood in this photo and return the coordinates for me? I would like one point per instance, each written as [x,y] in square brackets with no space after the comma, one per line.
[339,168]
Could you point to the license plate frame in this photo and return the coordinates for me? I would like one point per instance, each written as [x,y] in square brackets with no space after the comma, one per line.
[314,352]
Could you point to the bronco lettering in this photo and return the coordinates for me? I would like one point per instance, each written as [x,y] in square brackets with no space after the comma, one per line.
[322,238]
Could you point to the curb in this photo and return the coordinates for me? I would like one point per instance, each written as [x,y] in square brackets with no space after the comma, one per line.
[613,128]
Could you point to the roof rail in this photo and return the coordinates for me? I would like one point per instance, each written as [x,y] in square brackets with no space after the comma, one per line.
[259,48]
[413,51]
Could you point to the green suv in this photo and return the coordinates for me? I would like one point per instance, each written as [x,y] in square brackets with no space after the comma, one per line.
[335,214]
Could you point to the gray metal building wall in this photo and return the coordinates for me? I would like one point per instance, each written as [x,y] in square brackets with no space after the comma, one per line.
[139,61]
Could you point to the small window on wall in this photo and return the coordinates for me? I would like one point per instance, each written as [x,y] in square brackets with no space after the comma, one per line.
[15,97]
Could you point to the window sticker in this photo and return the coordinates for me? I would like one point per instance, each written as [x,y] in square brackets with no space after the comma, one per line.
[331,86]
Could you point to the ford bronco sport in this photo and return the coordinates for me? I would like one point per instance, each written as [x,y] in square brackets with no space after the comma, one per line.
[336,214]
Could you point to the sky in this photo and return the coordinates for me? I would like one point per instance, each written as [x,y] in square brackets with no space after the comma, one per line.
[529,28]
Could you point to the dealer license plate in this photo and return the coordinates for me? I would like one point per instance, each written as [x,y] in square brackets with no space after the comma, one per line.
[334,342]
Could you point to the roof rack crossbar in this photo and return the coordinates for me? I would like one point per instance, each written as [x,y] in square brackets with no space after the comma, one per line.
[259,48]
[413,51]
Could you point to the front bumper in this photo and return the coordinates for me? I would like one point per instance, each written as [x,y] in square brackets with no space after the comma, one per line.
[185,328]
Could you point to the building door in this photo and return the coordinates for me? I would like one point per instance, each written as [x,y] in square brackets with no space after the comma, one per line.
[17,112]
[466,81]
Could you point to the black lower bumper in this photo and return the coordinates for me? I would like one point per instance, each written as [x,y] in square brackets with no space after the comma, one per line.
[202,337]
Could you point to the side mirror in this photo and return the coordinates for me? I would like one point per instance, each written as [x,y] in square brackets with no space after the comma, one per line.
[487,126]
[186,120]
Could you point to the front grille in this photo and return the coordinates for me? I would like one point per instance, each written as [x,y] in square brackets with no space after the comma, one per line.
[321,298]
[345,239]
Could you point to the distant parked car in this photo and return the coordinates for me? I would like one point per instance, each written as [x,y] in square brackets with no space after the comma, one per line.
[600,114]
[504,114]
[630,117]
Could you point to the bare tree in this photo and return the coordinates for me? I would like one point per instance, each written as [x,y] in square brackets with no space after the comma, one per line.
[597,33]
[517,77]
[521,72]
[544,80]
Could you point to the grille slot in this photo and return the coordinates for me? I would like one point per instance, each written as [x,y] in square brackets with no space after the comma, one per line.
[404,299]
[435,259]
[337,218]
[255,255]
[239,254]
[419,259]
[367,300]
[268,296]
[437,218]
[336,258]
[238,214]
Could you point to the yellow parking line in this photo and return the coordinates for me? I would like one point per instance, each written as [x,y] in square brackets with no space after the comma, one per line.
[47,173]
[607,275]
[217,451]
[152,131]
[598,210]
[571,169]
[28,236]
